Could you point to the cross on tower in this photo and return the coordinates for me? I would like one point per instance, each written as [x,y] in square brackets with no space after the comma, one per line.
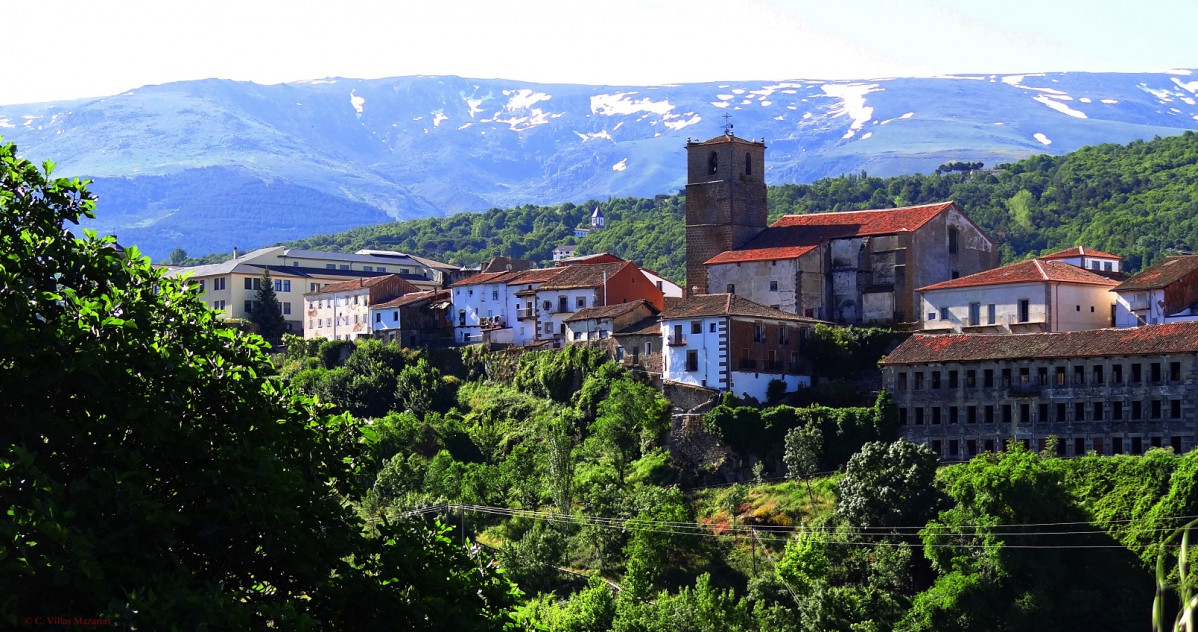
[727,124]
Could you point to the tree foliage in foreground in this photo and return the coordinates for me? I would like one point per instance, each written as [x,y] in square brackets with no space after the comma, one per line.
[154,472]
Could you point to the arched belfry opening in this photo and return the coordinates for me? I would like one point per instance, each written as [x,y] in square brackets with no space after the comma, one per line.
[713,163]
[748,164]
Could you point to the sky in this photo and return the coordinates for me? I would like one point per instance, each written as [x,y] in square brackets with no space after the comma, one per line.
[66,49]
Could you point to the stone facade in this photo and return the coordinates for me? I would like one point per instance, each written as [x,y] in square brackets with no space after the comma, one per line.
[725,201]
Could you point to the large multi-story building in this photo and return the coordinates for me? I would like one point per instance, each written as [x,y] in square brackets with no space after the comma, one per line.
[231,286]
[1109,391]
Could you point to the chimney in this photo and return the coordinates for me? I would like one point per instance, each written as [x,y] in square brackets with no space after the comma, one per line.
[234,252]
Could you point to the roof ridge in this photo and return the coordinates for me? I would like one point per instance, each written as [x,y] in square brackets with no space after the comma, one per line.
[1043,273]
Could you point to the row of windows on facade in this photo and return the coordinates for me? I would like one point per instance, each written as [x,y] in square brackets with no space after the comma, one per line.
[340,320]
[1023,314]
[345,266]
[748,362]
[284,307]
[759,333]
[1080,445]
[1061,376]
[1045,413]
[321,303]
[255,283]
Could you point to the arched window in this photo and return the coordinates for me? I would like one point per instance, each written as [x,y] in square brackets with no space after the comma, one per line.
[713,163]
[748,164]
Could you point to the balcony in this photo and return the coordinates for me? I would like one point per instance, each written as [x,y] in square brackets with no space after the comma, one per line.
[676,341]
[526,314]
[1024,389]
[748,364]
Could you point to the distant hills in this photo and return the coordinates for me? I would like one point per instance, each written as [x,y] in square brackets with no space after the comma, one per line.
[208,165]
[1138,200]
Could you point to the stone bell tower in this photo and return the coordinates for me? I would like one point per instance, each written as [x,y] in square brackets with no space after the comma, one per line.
[725,201]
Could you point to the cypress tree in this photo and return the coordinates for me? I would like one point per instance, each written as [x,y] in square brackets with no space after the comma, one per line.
[267,313]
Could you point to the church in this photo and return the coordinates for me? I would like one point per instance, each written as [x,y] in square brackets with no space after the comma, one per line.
[851,268]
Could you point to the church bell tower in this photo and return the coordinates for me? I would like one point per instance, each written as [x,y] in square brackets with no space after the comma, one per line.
[725,201]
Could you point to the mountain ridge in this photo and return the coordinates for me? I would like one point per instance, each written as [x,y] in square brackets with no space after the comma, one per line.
[340,153]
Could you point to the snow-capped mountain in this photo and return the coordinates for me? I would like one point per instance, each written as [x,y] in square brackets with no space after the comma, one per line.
[208,165]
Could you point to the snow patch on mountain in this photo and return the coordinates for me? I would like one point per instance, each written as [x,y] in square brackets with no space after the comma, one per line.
[852,104]
[1060,107]
[620,166]
[897,118]
[619,103]
[5,123]
[439,116]
[1190,86]
[356,101]
[1109,101]
[585,137]
[522,99]
[677,125]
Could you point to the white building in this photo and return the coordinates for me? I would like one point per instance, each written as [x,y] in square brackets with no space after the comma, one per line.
[564,251]
[729,343]
[598,323]
[1024,297]
[1165,292]
[668,288]
[1087,258]
[341,311]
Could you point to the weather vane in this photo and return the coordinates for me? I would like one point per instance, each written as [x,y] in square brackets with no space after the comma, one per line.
[727,124]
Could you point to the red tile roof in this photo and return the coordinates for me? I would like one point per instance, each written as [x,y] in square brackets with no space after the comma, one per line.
[1030,271]
[357,284]
[793,236]
[1147,340]
[1080,251]
[724,139]
[584,276]
[608,311]
[539,275]
[482,278]
[414,297]
[1159,275]
[727,305]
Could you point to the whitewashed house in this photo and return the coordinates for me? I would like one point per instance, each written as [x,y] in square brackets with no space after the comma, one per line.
[1024,297]
[341,311]
[729,343]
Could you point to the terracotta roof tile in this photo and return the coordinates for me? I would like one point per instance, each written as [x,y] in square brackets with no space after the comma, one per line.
[482,278]
[539,275]
[645,327]
[413,297]
[608,311]
[1080,251]
[1159,275]
[357,284]
[793,236]
[1030,271]
[727,305]
[1150,339]
[584,276]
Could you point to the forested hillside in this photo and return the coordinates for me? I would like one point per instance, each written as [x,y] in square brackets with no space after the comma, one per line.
[1138,200]
[562,465]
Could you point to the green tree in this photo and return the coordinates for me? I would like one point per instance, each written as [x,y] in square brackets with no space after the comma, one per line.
[177,257]
[803,445]
[154,471]
[267,312]
[889,486]
[632,416]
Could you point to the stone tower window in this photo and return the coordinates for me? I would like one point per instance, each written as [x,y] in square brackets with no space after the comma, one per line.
[748,164]
[713,163]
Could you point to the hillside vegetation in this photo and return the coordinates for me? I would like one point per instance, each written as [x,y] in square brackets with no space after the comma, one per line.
[1138,200]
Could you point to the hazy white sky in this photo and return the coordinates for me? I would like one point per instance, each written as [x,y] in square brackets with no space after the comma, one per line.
[61,49]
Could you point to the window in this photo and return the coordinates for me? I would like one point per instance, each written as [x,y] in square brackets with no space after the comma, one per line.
[1098,411]
[971,378]
[692,360]
[713,163]
[696,327]
[648,348]
[936,416]
[330,266]
[1117,374]
[218,284]
[1106,267]
[711,328]
[773,286]
[732,288]
[1023,310]
[931,315]
[578,335]
[368,268]
[952,241]
[1137,410]
[1006,413]
[1156,409]
[902,416]
[548,328]
[579,301]
[201,286]
[748,164]
[1174,371]
[1117,411]
[1061,412]
[952,379]
[1079,411]
[936,380]
[249,283]
[902,381]
[919,416]
[952,414]
[990,314]
[758,332]
[971,414]
[1043,413]
[249,306]
[380,269]
[989,413]
[1156,372]
[783,335]
[1175,409]
[1097,376]
[988,378]
[1093,265]
[395,318]
[378,317]
[345,266]
[919,380]
[943,313]
[1135,374]
[975,314]
[286,307]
